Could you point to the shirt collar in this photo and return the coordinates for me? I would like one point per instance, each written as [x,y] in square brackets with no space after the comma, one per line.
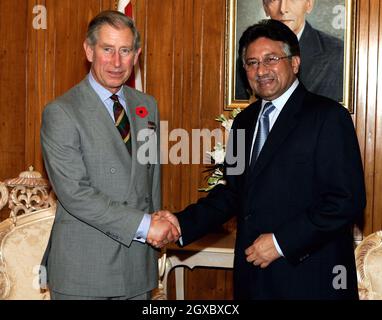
[102,92]
[300,33]
[281,101]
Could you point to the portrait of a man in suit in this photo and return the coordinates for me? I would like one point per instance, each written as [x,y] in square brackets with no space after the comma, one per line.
[322,63]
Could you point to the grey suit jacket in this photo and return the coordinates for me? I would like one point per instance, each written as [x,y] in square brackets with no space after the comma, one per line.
[102,193]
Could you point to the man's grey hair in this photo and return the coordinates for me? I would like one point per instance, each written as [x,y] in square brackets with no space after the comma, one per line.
[114,19]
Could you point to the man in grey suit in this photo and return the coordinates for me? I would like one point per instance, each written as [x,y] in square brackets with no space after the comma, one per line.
[92,140]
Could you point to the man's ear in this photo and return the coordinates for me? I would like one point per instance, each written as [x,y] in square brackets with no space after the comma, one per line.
[136,57]
[309,6]
[89,51]
[265,6]
[296,64]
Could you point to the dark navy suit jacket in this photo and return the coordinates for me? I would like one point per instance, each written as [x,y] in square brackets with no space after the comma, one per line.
[307,187]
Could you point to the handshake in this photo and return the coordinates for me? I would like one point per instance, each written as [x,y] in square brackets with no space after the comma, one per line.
[164,228]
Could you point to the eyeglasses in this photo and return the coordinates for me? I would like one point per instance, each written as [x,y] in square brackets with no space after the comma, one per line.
[253,64]
[123,52]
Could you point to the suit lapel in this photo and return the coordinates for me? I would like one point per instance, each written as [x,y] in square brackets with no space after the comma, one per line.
[311,50]
[131,104]
[101,122]
[249,124]
[136,123]
[283,126]
[310,42]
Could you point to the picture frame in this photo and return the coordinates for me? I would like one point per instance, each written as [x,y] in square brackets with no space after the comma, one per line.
[335,18]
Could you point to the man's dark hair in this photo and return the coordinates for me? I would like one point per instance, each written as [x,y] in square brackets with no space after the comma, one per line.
[271,29]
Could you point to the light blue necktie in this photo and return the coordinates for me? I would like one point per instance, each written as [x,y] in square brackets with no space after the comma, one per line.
[262,132]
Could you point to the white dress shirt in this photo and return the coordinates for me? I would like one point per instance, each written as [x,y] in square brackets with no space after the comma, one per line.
[279,105]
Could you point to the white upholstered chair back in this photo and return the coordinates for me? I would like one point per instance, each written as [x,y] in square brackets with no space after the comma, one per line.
[21,249]
[24,235]
[368,256]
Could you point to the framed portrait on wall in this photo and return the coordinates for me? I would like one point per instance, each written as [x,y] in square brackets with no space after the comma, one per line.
[326,34]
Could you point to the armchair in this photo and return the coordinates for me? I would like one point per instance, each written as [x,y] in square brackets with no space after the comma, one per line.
[368,256]
[24,235]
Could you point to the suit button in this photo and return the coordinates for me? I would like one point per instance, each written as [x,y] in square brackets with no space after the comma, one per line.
[125,203]
[147,199]
[148,166]
[113,170]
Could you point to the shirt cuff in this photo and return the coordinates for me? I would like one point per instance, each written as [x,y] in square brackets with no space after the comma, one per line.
[277,245]
[143,229]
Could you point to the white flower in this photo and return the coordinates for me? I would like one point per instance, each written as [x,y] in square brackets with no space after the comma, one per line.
[227,124]
[218,154]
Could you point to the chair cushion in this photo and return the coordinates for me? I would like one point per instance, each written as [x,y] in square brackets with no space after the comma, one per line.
[369,267]
[22,248]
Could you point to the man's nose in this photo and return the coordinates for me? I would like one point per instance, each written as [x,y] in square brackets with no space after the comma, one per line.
[116,59]
[284,6]
[261,69]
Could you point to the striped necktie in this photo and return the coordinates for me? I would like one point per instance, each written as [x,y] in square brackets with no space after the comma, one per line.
[262,132]
[121,121]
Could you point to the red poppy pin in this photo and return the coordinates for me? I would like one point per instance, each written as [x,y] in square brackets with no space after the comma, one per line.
[141,111]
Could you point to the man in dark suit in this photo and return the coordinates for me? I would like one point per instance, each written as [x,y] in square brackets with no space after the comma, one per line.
[302,187]
[322,55]
[105,190]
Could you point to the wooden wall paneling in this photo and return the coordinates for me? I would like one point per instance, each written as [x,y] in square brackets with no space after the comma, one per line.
[366,97]
[207,283]
[377,205]
[140,17]
[361,92]
[181,48]
[371,106]
[194,110]
[208,80]
[186,67]
[160,83]
[361,88]
[35,87]
[360,81]
[228,281]
[12,87]
[55,61]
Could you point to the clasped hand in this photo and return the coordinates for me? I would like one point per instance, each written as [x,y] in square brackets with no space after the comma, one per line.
[164,228]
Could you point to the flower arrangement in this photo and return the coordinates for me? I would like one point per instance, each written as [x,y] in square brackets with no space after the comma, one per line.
[218,154]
